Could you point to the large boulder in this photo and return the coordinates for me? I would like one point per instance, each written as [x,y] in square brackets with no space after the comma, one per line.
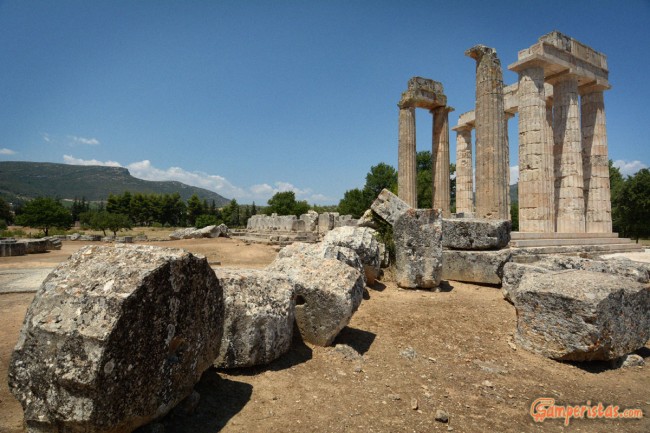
[484,267]
[327,293]
[116,337]
[475,233]
[418,248]
[186,233]
[324,251]
[212,231]
[361,240]
[388,206]
[582,315]
[513,272]
[259,314]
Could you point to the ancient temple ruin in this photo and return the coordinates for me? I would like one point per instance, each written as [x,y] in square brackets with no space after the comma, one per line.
[428,94]
[563,160]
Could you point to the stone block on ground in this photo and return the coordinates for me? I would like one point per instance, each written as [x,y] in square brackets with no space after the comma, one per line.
[418,248]
[259,315]
[475,233]
[367,220]
[327,293]
[514,271]
[325,251]
[361,240]
[485,267]
[53,242]
[10,248]
[311,221]
[34,246]
[326,221]
[185,233]
[581,315]
[116,337]
[389,206]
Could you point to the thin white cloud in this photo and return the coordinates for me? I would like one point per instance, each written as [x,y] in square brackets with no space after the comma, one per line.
[83,140]
[629,168]
[76,161]
[514,174]
[259,193]
[46,137]
[5,151]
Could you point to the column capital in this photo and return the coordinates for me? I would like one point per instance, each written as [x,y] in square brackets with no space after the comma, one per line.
[442,109]
[566,75]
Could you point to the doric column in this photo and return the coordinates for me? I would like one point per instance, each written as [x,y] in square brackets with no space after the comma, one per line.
[536,184]
[406,158]
[491,151]
[464,172]
[440,160]
[569,182]
[595,163]
[506,161]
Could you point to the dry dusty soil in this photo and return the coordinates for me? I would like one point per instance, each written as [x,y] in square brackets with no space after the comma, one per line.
[404,356]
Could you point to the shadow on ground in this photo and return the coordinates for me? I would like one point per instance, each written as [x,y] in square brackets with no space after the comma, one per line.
[221,399]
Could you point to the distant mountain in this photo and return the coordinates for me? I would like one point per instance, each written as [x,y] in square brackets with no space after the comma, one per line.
[20,181]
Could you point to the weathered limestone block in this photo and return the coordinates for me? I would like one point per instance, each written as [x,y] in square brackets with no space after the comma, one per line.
[325,251]
[53,243]
[485,267]
[362,241]
[326,221]
[34,246]
[124,239]
[475,233]
[367,220]
[418,248]
[115,337]
[212,231]
[311,221]
[345,221]
[259,315]
[389,206]
[582,315]
[90,238]
[73,237]
[186,233]
[514,272]
[9,248]
[327,294]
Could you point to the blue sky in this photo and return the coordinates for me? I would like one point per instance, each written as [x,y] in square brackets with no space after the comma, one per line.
[248,98]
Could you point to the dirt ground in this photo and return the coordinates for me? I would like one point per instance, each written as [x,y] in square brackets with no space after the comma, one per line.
[404,355]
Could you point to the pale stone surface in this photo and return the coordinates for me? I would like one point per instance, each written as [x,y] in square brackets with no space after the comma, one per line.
[418,248]
[361,240]
[326,221]
[205,232]
[259,315]
[325,251]
[569,183]
[388,206]
[491,152]
[475,233]
[34,246]
[582,315]
[311,221]
[485,267]
[440,154]
[464,171]
[327,294]
[115,337]
[514,271]
[367,220]
[406,157]
[595,161]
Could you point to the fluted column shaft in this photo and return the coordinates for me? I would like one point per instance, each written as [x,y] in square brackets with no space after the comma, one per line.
[595,163]
[406,158]
[491,150]
[569,182]
[464,172]
[440,154]
[506,161]
[536,178]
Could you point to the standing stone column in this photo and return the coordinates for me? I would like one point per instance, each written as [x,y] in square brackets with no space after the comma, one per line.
[569,182]
[536,181]
[464,172]
[406,174]
[491,150]
[595,163]
[440,160]
[506,161]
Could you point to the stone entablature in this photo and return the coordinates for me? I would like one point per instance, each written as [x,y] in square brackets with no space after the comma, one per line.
[423,93]
[310,222]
